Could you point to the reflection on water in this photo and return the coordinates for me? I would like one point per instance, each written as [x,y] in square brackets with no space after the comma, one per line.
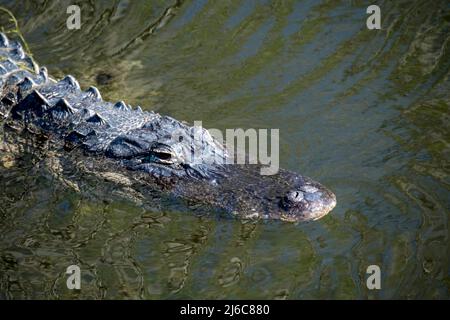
[366,112]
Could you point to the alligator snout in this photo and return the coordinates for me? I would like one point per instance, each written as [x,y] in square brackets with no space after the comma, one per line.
[307,202]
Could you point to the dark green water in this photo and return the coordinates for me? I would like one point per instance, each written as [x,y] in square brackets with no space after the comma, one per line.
[365,112]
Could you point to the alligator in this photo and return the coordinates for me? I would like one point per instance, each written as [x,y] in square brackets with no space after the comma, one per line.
[154,150]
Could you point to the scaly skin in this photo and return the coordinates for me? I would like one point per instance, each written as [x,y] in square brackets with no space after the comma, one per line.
[185,161]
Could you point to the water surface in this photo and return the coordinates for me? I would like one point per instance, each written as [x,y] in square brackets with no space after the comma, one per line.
[365,112]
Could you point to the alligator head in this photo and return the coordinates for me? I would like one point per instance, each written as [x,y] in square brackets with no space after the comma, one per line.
[165,148]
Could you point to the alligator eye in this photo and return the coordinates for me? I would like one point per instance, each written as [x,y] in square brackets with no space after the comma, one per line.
[162,153]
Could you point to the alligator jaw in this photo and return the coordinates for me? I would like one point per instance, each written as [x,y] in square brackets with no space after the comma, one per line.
[244,193]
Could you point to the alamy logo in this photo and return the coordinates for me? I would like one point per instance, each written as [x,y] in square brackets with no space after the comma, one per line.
[374,280]
[374,20]
[237,142]
[74,280]
[74,20]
